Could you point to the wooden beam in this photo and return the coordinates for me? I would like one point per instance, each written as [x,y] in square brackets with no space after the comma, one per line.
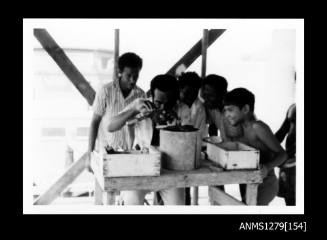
[219,197]
[196,50]
[65,64]
[62,183]
[204,176]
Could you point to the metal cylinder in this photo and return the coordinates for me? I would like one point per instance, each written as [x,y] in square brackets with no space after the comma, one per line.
[180,150]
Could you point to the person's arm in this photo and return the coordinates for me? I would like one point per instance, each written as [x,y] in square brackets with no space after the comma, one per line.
[200,122]
[283,130]
[99,109]
[266,136]
[118,121]
[138,106]
[95,122]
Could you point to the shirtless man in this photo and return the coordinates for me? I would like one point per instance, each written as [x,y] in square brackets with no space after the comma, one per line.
[239,111]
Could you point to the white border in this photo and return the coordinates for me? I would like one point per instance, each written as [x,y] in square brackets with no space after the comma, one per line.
[29,24]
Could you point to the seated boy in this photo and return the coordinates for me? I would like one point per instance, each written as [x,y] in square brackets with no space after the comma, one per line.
[164,93]
[239,111]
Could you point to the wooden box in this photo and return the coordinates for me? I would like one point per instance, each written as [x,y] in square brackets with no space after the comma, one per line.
[233,155]
[127,164]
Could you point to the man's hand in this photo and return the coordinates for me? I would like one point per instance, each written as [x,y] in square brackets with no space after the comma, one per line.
[142,106]
[264,171]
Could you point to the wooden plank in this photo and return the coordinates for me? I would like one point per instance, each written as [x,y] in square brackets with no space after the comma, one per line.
[251,194]
[133,163]
[65,64]
[233,155]
[125,165]
[205,176]
[62,183]
[219,197]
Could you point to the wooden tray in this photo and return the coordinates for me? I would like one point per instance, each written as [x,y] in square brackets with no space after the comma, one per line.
[127,164]
[233,155]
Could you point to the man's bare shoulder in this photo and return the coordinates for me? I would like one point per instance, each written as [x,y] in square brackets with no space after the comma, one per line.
[259,125]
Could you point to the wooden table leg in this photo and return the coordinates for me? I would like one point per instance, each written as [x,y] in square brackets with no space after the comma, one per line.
[195,197]
[251,193]
[111,197]
[211,197]
[102,197]
[98,193]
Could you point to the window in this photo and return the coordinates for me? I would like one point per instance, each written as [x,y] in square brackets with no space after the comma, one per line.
[82,132]
[53,132]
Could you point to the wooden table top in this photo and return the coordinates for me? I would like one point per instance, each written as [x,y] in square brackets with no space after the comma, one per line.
[207,175]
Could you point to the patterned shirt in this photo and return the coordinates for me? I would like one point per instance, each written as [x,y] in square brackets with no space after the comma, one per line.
[109,101]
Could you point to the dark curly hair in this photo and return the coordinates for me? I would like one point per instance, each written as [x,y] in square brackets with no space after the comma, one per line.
[219,83]
[129,60]
[240,97]
[165,83]
[189,79]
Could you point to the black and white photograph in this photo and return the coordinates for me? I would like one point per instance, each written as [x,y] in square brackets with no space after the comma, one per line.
[163,116]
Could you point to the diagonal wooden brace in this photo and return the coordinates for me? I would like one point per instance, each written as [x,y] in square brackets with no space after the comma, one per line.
[65,64]
[196,50]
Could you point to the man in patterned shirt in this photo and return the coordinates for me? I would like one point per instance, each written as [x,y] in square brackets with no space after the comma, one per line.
[110,100]
[164,95]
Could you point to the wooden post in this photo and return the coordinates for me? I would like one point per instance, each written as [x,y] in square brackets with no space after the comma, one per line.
[204,52]
[116,54]
[69,157]
[98,193]
[69,160]
[251,193]
[111,197]
[203,74]
[65,64]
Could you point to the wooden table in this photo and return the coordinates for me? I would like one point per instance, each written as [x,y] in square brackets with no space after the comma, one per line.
[207,175]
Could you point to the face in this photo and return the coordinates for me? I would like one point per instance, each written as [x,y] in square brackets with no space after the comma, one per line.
[129,78]
[163,100]
[188,95]
[233,114]
[210,97]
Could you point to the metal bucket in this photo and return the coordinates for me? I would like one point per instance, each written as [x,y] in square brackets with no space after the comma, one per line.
[180,150]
